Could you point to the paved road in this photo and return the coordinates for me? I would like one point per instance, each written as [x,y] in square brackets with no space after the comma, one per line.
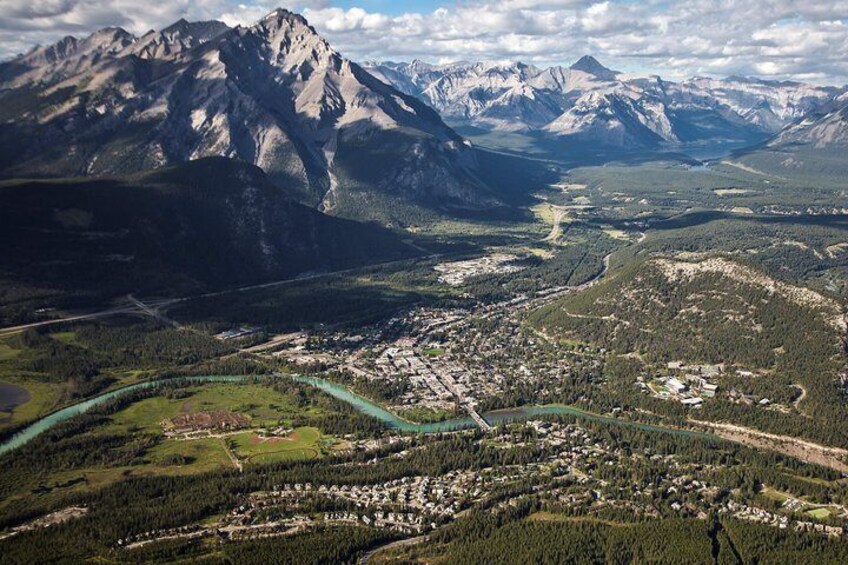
[153,311]
[153,307]
[92,316]
[394,545]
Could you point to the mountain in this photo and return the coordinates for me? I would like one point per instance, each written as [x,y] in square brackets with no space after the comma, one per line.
[206,224]
[710,309]
[827,128]
[810,151]
[592,66]
[588,102]
[274,94]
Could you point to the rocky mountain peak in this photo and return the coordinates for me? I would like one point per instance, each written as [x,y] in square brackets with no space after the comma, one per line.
[275,94]
[195,31]
[177,38]
[827,129]
[589,64]
[64,58]
[292,41]
[282,21]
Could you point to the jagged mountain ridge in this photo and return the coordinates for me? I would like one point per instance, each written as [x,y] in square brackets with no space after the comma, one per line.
[588,101]
[810,151]
[827,128]
[275,94]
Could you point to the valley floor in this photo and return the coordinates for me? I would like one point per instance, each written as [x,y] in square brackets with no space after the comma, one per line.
[554,379]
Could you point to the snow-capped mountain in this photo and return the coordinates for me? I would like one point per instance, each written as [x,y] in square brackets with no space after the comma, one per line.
[505,96]
[274,94]
[825,129]
[590,102]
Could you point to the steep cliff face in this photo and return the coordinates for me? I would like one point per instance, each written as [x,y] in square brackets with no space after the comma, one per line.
[274,94]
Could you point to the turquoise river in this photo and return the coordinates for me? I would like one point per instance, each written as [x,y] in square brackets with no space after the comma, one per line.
[339,392]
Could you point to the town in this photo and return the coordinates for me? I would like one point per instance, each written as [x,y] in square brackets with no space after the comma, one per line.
[583,474]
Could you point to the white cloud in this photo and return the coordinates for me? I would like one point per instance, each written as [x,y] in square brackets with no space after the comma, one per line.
[675,38]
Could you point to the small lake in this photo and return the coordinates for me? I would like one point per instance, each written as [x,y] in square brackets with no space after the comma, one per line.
[339,392]
[12,396]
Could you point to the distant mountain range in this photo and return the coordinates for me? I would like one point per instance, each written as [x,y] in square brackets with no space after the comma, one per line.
[274,94]
[277,95]
[588,102]
[811,151]
[825,128]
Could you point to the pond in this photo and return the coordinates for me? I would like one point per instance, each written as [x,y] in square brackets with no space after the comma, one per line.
[12,396]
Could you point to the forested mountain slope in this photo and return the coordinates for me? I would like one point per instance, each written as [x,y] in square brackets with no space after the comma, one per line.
[211,223]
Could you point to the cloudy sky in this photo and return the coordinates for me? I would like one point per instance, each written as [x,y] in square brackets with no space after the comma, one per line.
[786,39]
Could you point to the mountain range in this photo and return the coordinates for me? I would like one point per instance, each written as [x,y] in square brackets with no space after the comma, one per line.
[366,142]
[274,94]
[201,155]
[587,102]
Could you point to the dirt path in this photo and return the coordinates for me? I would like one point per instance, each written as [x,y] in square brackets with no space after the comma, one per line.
[832,457]
[747,169]
[236,463]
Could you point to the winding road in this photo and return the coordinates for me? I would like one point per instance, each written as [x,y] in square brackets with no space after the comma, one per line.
[393,545]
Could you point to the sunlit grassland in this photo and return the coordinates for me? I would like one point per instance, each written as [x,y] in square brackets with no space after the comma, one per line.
[303,443]
[264,405]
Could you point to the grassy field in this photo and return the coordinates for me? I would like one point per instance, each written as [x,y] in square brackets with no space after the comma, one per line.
[187,457]
[264,406]
[7,352]
[138,447]
[69,338]
[819,513]
[302,443]
[773,494]
[43,399]
[434,352]
[171,458]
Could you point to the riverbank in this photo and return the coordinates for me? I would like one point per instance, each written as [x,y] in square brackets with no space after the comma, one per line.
[340,392]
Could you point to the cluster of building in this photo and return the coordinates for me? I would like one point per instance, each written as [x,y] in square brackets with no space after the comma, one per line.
[579,483]
[688,384]
[437,383]
[48,521]
[755,514]
[237,333]
[191,531]
[405,523]
[229,532]
[408,505]
[738,397]
[457,272]
[203,423]
[583,473]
